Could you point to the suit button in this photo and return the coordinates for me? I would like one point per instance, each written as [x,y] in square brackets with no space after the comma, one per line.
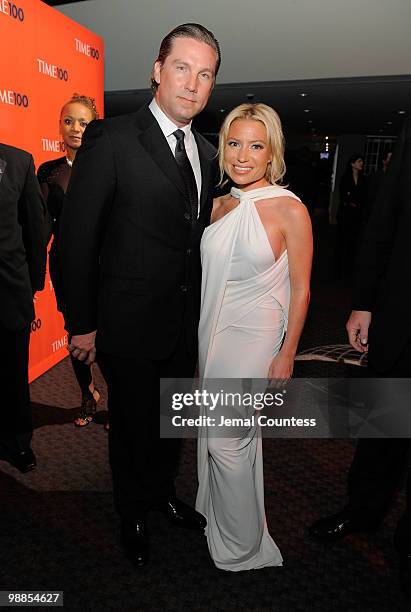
[183,288]
[187,216]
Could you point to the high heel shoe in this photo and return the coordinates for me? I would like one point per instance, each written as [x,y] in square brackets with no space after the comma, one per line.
[88,408]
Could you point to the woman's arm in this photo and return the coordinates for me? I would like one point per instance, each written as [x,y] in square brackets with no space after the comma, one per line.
[299,242]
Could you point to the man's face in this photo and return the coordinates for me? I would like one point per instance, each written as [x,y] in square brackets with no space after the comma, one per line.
[185,79]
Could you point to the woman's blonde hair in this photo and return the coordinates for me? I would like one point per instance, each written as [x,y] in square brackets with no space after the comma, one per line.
[270,119]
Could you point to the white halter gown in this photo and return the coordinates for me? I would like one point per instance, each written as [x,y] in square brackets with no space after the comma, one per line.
[244,308]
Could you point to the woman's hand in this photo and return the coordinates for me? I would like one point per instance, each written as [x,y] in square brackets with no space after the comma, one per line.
[281,368]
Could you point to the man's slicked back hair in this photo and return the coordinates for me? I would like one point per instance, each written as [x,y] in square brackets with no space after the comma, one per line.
[186,30]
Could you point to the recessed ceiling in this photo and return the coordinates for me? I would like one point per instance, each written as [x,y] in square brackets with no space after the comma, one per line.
[355,106]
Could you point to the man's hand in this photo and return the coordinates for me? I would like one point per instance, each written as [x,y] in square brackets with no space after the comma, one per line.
[357,329]
[83,347]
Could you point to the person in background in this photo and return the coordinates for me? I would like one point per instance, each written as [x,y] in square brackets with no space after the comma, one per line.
[22,271]
[54,177]
[380,324]
[351,214]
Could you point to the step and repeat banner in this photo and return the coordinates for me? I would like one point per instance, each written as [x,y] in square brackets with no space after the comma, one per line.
[45,57]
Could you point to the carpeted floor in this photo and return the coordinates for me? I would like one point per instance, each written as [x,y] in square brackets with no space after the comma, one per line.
[60,532]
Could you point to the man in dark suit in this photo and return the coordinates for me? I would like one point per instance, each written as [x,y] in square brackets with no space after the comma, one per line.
[139,198]
[382,298]
[22,270]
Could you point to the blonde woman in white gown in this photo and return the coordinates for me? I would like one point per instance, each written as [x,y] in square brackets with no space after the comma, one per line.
[256,257]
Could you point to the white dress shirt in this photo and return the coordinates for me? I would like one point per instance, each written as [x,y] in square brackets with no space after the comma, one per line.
[168,127]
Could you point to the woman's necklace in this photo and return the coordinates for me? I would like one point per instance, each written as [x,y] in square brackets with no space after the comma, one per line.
[69,162]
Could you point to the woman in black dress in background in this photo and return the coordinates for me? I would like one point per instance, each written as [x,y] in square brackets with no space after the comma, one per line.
[351,214]
[54,177]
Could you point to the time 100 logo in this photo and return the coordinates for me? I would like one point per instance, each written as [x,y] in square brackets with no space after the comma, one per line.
[11,9]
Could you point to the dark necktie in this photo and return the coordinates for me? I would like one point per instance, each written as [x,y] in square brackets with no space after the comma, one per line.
[187,172]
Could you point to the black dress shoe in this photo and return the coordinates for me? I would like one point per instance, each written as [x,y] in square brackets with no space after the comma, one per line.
[24,461]
[337,526]
[18,453]
[135,542]
[182,515]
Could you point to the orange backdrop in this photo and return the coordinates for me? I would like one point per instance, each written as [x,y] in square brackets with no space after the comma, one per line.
[44,58]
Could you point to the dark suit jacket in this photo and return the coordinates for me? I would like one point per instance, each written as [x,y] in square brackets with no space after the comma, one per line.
[383,270]
[22,238]
[129,253]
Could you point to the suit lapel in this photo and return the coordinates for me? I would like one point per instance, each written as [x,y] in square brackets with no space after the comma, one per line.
[156,145]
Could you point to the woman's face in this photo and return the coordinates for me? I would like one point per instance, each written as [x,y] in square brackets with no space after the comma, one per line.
[73,121]
[358,164]
[247,153]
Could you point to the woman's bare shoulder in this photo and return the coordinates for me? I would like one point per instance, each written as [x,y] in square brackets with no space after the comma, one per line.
[285,203]
[221,199]
[286,211]
[220,202]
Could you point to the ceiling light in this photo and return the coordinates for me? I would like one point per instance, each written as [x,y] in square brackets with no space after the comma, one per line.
[307,110]
[326,138]
[389,122]
[310,121]
[303,95]
[222,110]
[401,112]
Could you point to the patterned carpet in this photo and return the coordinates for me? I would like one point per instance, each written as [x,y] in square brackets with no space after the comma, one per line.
[60,532]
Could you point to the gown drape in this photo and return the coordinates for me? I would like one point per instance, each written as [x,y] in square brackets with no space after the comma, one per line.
[244,309]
